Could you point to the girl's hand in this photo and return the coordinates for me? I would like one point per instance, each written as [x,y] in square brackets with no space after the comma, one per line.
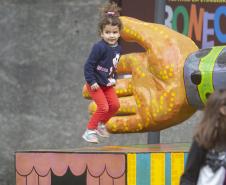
[112,82]
[95,86]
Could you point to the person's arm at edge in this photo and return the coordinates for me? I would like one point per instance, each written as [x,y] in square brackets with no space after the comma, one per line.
[195,161]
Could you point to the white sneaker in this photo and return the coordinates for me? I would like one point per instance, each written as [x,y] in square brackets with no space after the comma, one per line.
[101,130]
[90,136]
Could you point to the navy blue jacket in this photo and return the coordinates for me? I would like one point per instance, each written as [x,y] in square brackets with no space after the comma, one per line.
[102,63]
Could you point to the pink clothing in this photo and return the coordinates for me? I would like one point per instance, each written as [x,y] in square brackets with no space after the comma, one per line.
[107,105]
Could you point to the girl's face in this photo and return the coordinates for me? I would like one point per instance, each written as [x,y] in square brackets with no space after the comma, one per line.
[110,34]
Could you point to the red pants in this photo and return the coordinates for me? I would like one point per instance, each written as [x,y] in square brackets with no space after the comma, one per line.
[107,105]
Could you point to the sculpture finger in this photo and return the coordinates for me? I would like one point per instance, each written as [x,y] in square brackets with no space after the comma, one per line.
[161,43]
[125,64]
[148,34]
[137,31]
[126,124]
[123,87]
[127,106]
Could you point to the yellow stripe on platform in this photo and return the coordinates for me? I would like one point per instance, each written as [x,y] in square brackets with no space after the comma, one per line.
[157,169]
[177,167]
[131,169]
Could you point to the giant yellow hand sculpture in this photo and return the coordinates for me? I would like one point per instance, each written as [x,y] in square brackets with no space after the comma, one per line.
[154,98]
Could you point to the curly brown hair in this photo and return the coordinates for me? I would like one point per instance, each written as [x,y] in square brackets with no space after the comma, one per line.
[211,131]
[109,15]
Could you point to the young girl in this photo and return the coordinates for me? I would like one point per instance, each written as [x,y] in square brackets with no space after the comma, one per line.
[209,146]
[100,73]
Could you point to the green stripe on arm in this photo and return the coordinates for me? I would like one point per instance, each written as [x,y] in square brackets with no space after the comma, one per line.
[206,68]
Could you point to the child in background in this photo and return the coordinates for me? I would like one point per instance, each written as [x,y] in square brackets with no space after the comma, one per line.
[208,149]
[100,73]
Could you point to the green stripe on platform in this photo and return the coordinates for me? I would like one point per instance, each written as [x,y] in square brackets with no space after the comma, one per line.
[143,169]
[168,168]
[185,159]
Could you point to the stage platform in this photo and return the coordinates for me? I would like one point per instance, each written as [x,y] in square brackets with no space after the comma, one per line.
[155,164]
